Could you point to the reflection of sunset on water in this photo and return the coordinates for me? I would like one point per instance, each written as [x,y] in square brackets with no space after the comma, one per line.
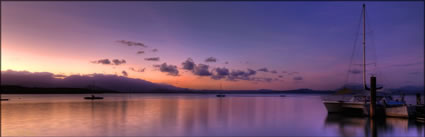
[186,115]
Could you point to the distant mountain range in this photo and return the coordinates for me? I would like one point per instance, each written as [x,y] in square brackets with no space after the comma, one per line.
[92,82]
[408,90]
[23,82]
[13,89]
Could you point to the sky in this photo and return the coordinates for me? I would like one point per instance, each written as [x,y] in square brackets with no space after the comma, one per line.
[218,45]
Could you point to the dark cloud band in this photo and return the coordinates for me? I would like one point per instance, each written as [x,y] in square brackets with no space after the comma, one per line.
[131,43]
[152,59]
[109,62]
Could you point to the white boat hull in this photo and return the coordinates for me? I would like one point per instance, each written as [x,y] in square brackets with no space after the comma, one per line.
[356,107]
[399,111]
[339,107]
[333,106]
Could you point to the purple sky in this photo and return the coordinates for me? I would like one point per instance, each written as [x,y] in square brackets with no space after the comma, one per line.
[311,40]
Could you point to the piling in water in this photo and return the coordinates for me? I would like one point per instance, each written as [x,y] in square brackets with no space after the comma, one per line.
[372,96]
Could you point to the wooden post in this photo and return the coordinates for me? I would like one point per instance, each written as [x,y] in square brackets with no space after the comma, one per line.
[373,129]
[372,96]
[373,106]
[418,99]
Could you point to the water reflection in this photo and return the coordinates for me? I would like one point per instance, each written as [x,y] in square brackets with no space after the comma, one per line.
[349,126]
[187,115]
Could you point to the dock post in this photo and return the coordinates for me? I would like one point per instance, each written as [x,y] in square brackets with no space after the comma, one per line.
[372,106]
[418,99]
[372,96]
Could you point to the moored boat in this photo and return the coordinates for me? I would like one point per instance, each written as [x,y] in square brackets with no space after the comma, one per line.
[403,111]
[420,113]
[220,95]
[359,101]
[92,97]
[333,106]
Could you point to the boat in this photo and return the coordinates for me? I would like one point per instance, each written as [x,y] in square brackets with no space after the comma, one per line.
[220,95]
[402,110]
[4,99]
[420,113]
[92,97]
[359,102]
[396,108]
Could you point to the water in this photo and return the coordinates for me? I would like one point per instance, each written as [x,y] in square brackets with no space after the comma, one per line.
[186,115]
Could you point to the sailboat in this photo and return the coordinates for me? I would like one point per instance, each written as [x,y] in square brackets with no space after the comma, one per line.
[358,103]
[220,95]
[92,97]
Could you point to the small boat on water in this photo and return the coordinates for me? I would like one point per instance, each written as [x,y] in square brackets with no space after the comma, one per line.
[92,97]
[220,95]
[4,99]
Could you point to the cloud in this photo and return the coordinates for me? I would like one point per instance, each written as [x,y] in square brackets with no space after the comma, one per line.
[284,72]
[263,79]
[298,78]
[108,62]
[140,52]
[280,76]
[268,79]
[226,62]
[293,73]
[137,70]
[102,81]
[154,50]
[219,73]
[263,70]
[273,71]
[188,64]
[211,59]
[152,59]
[169,69]
[355,71]
[118,62]
[124,73]
[241,75]
[131,43]
[201,70]
[102,61]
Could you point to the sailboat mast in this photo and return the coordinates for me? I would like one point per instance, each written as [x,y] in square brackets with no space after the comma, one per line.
[364,46]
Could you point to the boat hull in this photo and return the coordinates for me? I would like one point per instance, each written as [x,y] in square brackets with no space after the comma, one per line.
[355,108]
[352,108]
[93,98]
[333,106]
[220,96]
[403,111]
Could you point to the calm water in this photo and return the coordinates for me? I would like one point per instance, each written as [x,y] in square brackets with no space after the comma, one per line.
[186,115]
